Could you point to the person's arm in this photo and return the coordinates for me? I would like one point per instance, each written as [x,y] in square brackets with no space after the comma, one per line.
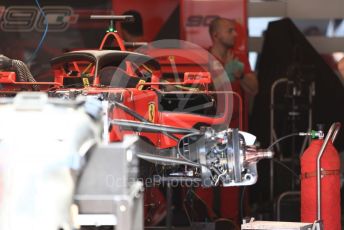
[248,79]
[340,66]
[249,83]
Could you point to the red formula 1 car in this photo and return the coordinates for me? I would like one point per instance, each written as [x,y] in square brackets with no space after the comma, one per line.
[140,95]
[166,108]
[179,116]
[148,98]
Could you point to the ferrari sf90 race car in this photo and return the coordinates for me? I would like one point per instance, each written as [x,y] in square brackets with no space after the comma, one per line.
[178,121]
[169,100]
[180,115]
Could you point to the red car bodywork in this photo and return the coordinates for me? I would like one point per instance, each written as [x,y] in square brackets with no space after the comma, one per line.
[145,98]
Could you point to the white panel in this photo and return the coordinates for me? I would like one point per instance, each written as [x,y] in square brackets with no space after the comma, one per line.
[96,220]
[321,44]
[317,9]
[267,225]
[266,9]
[297,9]
[327,45]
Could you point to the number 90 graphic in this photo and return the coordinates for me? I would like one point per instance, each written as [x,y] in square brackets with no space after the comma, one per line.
[28,18]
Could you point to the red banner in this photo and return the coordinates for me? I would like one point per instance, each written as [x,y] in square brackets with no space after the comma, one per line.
[196,16]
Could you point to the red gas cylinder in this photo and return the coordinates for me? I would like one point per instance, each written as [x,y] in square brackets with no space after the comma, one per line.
[330,185]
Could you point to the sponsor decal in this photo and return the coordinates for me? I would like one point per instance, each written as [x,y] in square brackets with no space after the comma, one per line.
[29,18]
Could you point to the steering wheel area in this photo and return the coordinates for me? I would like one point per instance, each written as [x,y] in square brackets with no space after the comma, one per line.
[115,76]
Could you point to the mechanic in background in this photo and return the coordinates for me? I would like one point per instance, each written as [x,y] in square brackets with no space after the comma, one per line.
[242,79]
[222,32]
[225,202]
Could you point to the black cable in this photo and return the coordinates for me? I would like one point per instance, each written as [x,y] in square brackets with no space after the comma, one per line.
[282,138]
[23,73]
[187,195]
[279,162]
[275,160]
[242,195]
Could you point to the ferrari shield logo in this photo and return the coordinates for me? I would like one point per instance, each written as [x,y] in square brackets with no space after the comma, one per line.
[85,81]
[141,82]
[151,112]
